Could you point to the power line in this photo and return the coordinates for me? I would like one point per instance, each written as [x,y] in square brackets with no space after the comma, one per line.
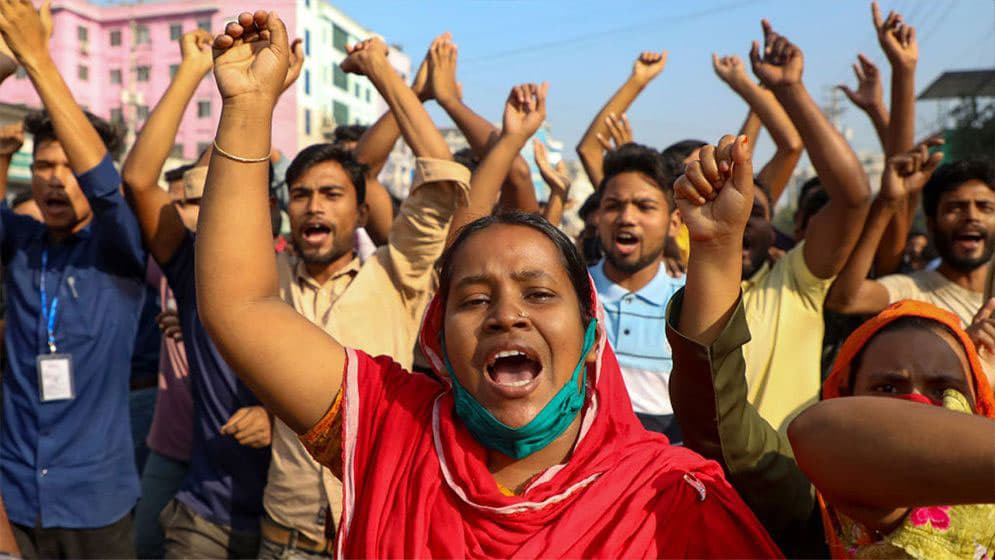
[601,34]
[937,22]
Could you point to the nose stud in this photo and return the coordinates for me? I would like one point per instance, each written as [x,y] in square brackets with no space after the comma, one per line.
[523,314]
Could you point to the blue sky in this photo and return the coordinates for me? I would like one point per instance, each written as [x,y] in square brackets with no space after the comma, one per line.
[585,49]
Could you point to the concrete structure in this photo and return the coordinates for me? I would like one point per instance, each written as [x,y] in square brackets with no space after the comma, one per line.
[118,61]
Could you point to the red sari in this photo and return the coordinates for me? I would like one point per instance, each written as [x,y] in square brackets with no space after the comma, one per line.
[416,482]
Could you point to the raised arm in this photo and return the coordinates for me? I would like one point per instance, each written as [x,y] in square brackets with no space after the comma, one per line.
[293,366]
[832,232]
[26,32]
[898,41]
[557,181]
[162,228]
[904,176]
[11,140]
[517,191]
[373,150]
[751,129]
[777,172]
[868,97]
[524,113]
[715,196]
[647,66]
[874,458]
[369,58]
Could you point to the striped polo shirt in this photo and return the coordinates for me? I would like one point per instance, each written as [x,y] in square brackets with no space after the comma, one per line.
[637,329]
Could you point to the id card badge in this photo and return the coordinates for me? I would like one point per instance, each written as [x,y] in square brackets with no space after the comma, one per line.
[55,377]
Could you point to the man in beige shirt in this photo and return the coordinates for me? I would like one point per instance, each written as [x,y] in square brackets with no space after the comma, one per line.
[374,304]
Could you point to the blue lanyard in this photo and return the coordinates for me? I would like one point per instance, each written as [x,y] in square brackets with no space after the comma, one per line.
[48,314]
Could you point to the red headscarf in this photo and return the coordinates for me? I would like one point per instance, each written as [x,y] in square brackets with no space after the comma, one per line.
[837,384]
[416,482]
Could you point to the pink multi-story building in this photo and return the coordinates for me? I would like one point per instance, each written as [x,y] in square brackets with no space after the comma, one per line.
[118,61]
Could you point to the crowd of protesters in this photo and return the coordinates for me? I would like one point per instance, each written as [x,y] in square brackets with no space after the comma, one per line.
[452,375]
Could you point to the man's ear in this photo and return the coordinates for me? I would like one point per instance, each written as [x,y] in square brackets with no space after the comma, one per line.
[676,222]
[362,214]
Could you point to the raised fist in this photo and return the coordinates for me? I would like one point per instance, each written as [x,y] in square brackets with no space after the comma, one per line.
[195,46]
[730,70]
[906,174]
[525,110]
[365,56]
[782,62]
[715,194]
[252,57]
[649,65]
[11,138]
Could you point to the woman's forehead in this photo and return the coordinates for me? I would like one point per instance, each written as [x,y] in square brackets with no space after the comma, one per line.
[516,251]
[929,350]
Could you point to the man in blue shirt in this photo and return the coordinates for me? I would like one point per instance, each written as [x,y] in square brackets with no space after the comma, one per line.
[75,291]
[635,217]
[217,510]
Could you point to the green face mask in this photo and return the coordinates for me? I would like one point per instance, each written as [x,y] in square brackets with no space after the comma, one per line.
[549,424]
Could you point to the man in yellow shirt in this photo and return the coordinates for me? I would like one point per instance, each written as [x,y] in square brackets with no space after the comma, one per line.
[784,300]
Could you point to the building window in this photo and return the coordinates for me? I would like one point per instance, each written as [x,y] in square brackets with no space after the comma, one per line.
[204,109]
[307,82]
[340,112]
[173,69]
[83,72]
[307,3]
[340,78]
[355,89]
[367,95]
[141,34]
[175,31]
[83,34]
[116,76]
[116,38]
[307,42]
[307,122]
[143,73]
[176,151]
[142,112]
[339,38]
[204,24]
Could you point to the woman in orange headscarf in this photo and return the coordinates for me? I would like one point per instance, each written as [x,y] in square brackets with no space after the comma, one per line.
[883,468]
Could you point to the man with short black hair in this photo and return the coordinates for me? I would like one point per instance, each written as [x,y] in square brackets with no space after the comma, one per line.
[959,204]
[75,287]
[635,215]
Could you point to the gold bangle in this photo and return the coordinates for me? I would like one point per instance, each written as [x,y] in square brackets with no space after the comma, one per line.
[233,157]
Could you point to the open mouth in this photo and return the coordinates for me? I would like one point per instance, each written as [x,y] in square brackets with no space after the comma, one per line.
[969,241]
[626,242]
[513,369]
[315,234]
[56,203]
